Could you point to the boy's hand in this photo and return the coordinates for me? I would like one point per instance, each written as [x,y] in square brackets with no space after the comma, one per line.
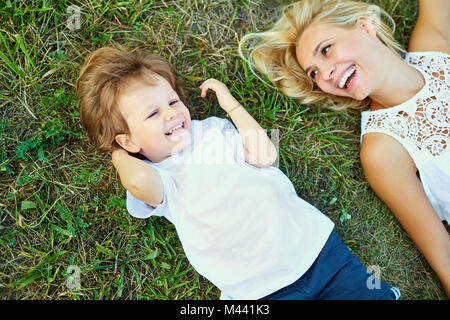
[116,153]
[226,100]
[259,149]
[138,177]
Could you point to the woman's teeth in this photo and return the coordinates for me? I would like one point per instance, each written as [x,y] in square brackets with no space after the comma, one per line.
[346,76]
[174,128]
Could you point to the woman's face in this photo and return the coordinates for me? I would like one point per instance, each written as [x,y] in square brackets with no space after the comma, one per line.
[341,61]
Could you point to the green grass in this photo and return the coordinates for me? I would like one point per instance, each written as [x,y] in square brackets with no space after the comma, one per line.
[61,202]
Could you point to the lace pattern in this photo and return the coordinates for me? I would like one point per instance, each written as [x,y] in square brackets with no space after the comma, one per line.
[422,122]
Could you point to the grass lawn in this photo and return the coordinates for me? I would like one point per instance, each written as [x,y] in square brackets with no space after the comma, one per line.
[61,203]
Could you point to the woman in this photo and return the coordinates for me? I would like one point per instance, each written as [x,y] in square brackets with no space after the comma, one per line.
[341,53]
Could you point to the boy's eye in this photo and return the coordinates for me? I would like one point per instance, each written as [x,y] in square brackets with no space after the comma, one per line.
[325,49]
[154,113]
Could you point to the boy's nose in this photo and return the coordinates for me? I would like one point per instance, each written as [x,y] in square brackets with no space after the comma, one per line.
[170,113]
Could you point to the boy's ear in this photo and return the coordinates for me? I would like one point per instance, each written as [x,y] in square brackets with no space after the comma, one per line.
[125,141]
[367,25]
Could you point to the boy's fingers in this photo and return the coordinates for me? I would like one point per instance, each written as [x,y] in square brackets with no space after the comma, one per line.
[119,150]
[204,90]
[212,84]
[206,86]
[209,81]
[203,84]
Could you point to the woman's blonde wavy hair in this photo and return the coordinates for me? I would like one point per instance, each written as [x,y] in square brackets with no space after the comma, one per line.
[274,54]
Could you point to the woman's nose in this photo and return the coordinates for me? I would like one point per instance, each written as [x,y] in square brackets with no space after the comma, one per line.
[328,72]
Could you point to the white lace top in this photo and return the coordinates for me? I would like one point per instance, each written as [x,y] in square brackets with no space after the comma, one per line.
[422,126]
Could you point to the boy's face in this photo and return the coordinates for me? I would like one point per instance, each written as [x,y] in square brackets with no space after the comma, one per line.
[159,122]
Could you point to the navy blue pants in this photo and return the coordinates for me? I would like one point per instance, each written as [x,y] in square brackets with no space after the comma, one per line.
[336,275]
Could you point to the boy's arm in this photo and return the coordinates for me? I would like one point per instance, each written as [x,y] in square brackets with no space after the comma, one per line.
[143,182]
[259,149]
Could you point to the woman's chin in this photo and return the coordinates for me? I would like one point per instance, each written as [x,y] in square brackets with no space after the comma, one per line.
[360,97]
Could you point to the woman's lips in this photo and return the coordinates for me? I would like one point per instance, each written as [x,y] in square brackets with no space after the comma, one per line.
[350,82]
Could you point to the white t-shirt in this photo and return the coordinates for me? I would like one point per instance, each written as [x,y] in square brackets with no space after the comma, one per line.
[243,228]
[422,126]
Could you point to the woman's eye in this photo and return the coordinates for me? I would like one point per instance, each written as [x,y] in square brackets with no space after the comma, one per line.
[313,74]
[173,102]
[325,49]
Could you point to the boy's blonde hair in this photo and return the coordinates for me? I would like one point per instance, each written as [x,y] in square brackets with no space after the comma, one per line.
[275,54]
[106,73]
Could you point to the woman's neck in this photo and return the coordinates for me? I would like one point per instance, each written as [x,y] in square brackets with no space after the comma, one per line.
[399,83]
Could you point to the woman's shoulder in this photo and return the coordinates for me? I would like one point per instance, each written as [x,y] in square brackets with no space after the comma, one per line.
[379,150]
[427,54]
[435,66]
[428,59]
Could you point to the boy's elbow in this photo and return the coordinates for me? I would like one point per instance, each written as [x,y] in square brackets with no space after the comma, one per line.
[270,160]
[133,184]
[152,196]
[272,156]
[264,159]
[148,189]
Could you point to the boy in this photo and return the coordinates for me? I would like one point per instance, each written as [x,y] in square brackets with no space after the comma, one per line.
[240,222]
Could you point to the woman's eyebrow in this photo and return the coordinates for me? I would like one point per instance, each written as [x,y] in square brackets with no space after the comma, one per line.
[318,46]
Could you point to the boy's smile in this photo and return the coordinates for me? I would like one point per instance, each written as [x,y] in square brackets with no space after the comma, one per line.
[177,130]
[159,122]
